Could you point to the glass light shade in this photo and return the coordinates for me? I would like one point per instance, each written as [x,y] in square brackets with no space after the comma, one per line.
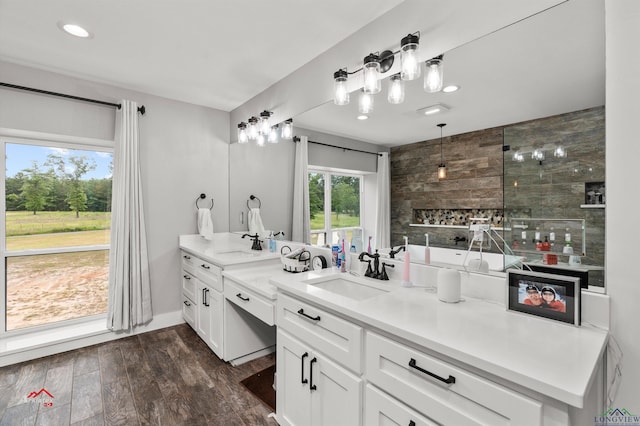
[442,171]
[396,90]
[265,124]
[518,157]
[287,130]
[252,129]
[434,77]
[409,63]
[273,134]
[340,91]
[242,133]
[371,75]
[260,140]
[560,152]
[365,103]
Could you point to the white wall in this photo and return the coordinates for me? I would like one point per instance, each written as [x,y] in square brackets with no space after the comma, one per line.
[183,149]
[622,156]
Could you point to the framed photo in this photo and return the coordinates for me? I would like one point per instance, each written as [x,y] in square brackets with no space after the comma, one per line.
[594,193]
[555,297]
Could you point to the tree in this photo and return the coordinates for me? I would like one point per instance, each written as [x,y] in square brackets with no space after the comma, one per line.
[35,188]
[345,195]
[72,171]
[316,194]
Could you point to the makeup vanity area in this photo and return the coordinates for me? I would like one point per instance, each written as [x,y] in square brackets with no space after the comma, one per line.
[354,350]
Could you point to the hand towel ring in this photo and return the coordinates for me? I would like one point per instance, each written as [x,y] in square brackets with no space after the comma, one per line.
[203,196]
[251,198]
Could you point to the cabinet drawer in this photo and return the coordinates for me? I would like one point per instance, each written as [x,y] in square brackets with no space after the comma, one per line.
[418,380]
[209,273]
[335,337]
[188,261]
[379,408]
[188,285]
[249,301]
[189,311]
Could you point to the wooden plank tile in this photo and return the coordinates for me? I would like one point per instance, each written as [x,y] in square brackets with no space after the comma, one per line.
[21,414]
[111,363]
[86,401]
[59,382]
[97,420]
[59,414]
[86,361]
[118,403]
[31,377]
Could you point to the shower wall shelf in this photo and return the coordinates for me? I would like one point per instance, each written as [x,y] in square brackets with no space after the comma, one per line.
[428,225]
[592,206]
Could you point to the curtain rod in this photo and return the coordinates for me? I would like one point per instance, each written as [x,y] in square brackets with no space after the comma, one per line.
[141,109]
[297,139]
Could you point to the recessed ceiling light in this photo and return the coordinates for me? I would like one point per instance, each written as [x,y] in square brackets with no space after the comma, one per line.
[363,117]
[74,30]
[433,109]
[451,88]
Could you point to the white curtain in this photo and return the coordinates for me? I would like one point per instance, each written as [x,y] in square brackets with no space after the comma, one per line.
[301,230]
[383,206]
[129,286]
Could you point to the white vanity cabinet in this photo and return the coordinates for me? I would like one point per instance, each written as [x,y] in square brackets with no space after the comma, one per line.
[433,390]
[314,350]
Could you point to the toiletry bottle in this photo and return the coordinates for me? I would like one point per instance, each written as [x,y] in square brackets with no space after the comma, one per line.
[427,251]
[552,237]
[369,246]
[567,238]
[272,243]
[343,259]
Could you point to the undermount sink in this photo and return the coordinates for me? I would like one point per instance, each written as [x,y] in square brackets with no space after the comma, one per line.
[348,288]
[236,253]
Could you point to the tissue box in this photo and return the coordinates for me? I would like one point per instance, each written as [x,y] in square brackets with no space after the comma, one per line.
[550,259]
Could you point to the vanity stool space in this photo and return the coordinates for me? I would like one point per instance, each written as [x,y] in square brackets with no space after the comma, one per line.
[233,317]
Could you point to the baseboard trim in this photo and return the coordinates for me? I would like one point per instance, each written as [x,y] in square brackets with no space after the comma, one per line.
[15,350]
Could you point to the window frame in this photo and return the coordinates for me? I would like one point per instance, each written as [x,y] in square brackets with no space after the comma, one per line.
[12,136]
[327,174]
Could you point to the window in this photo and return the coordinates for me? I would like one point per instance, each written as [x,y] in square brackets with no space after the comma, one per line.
[335,208]
[56,233]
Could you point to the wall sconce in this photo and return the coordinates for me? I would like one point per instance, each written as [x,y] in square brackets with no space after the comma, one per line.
[537,155]
[365,103]
[396,89]
[409,64]
[273,134]
[434,77]
[560,152]
[265,125]
[518,157]
[442,169]
[371,74]
[252,130]
[261,131]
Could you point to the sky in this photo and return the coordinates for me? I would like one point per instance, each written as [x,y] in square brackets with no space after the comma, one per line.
[20,157]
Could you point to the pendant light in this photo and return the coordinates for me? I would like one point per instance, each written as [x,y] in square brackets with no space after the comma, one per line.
[434,78]
[409,64]
[371,74]
[442,169]
[340,90]
[396,89]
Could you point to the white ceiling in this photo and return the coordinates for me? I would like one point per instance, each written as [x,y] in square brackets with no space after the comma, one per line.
[216,53]
[548,64]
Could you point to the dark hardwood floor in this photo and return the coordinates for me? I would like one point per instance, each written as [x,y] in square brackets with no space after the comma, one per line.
[164,377]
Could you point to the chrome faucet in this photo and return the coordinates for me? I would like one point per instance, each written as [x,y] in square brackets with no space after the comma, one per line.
[255,241]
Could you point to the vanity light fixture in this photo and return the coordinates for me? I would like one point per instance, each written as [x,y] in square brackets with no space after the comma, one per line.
[371,74]
[560,152]
[409,63]
[287,129]
[252,129]
[396,89]
[365,103]
[260,140]
[273,134]
[265,125]
[242,133]
[434,77]
[518,157]
[442,169]
[537,154]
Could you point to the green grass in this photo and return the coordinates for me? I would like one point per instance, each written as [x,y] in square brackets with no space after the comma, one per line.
[343,221]
[26,223]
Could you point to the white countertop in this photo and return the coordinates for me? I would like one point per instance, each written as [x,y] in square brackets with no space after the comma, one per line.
[552,358]
[225,249]
[258,278]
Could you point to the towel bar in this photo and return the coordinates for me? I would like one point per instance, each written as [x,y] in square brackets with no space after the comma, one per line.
[203,196]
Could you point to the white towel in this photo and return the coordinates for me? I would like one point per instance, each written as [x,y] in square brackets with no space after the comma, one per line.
[205,224]
[255,222]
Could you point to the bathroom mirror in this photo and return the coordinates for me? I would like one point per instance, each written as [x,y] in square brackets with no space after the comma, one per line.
[533,69]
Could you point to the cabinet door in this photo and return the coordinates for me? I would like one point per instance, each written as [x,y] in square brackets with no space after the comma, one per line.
[381,409]
[292,382]
[215,299]
[336,394]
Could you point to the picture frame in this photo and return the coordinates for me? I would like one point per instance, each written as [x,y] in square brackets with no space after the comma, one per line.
[594,193]
[550,296]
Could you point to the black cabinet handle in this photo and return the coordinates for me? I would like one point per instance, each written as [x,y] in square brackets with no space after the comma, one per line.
[312,387]
[187,257]
[187,303]
[205,266]
[186,277]
[450,380]
[239,296]
[302,379]
[204,296]
[301,312]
